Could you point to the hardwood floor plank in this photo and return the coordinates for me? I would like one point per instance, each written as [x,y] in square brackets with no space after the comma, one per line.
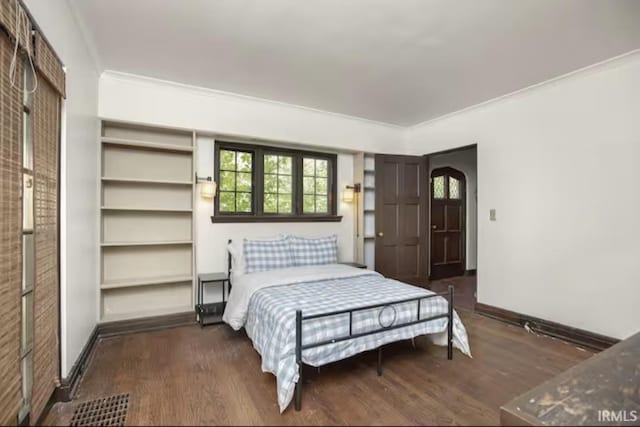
[192,375]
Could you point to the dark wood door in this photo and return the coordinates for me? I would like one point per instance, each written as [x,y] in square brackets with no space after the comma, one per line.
[402,198]
[447,223]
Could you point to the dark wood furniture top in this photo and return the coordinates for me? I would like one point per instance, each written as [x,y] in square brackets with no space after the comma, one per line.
[608,381]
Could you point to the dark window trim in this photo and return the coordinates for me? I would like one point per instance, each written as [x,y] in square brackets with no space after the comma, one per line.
[257,188]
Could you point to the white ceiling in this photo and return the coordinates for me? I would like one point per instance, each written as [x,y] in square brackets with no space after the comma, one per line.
[395,61]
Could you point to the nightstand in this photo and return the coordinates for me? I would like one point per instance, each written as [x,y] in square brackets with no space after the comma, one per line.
[354,264]
[211,313]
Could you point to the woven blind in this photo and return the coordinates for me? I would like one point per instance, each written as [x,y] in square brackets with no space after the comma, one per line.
[46,137]
[10,235]
[48,64]
[8,22]
[46,134]
[8,16]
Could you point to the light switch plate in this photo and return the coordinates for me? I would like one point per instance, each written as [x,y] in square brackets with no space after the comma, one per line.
[492,214]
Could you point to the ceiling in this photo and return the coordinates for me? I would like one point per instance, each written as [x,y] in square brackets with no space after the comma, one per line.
[394,61]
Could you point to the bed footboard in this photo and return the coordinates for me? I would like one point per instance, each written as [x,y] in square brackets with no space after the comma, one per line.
[300,318]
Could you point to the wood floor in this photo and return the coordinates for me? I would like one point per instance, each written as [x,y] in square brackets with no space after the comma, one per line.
[190,375]
[465,290]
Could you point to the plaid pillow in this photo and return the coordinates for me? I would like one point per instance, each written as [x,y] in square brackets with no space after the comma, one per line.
[319,251]
[263,255]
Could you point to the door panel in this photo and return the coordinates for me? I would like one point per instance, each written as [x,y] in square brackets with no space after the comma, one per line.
[390,183]
[411,185]
[401,208]
[447,223]
[453,249]
[411,221]
[453,218]
[437,248]
[437,216]
[389,224]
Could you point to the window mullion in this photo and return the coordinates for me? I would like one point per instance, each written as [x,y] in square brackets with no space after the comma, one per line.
[297,187]
[258,183]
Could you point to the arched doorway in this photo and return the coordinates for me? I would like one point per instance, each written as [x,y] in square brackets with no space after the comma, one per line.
[448,225]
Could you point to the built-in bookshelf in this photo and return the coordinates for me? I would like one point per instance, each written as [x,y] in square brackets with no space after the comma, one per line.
[147,227]
[365,241]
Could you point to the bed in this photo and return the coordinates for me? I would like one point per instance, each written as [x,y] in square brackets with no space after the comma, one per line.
[319,314]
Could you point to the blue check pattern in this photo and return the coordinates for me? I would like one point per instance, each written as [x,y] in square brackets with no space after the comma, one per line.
[264,255]
[313,251]
[272,311]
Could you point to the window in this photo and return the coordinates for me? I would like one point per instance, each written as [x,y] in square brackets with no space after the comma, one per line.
[447,184]
[315,184]
[261,183]
[438,187]
[454,188]
[278,184]
[236,183]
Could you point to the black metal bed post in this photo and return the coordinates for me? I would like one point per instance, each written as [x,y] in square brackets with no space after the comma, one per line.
[228,268]
[298,389]
[450,325]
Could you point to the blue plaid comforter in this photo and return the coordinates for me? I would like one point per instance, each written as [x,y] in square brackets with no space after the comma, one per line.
[271,322]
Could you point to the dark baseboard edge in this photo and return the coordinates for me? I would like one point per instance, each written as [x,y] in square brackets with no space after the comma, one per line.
[471,272]
[65,391]
[577,336]
[146,324]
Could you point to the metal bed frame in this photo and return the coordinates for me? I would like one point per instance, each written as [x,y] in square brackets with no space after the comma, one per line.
[391,326]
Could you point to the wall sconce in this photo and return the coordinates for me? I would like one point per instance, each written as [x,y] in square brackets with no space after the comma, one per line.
[208,187]
[349,193]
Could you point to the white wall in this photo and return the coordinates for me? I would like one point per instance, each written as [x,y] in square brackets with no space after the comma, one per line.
[465,162]
[79,154]
[559,162]
[150,101]
[146,100]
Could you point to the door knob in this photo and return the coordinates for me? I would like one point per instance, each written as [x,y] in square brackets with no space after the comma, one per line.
[380,234]
[434,226]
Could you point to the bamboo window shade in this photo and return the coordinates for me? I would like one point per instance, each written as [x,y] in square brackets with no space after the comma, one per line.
[45,113]
[48,64]
[8,21]
[8,16]
[10,234]
[46,131]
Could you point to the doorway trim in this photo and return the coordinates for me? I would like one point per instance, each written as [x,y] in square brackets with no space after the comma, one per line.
[428,159]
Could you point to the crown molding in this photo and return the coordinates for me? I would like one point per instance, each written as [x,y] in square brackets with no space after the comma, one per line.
[204,91]
[598,66]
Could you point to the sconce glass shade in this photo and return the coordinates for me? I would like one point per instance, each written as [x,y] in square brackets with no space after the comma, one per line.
[348,195]
[208,189]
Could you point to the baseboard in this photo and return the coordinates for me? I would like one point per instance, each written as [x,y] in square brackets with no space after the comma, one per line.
[470,272]
[65,391]
[146,324]
[577,336]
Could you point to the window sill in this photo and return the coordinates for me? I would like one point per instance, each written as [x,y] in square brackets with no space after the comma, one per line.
[239,218]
